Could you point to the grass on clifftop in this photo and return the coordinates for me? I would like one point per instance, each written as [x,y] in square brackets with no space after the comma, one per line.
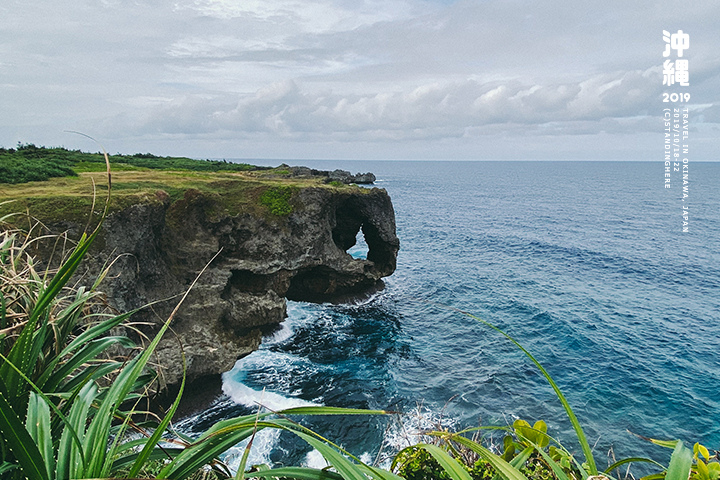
[70,198]
[56,184]
[28,163]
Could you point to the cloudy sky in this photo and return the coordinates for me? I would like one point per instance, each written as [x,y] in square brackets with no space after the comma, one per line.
[355,79]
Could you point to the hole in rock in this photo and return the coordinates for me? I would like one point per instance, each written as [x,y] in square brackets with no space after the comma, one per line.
[347,226]
[360,249]
[348,233]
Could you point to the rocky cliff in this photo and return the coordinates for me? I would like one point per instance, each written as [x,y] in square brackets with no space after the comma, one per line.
[161,244]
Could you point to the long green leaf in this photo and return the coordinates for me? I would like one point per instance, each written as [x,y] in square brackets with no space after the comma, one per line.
[49,403]
[38,426]
[228,433]
[71,453]
[680,463]
[6,467]
[663,443]
[319,410]
[379,473]
[20,442]
[20,355]
[654,476]
[298,473]
[451,466]
[587,451]
[240,475]
[88,353]
[126,461]
[554,466]
[625,461]
[216,440]
[155,437]
[98,432]
[497,462]
[80,341]
[92,372]
[96,331]
[519,460]
[347,469]
[64,273]
[25,352]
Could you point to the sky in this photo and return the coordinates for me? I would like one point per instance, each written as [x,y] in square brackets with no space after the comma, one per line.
[356,79]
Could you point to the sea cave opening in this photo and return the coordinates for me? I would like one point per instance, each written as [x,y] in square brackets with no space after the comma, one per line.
[348,233]
[360,249]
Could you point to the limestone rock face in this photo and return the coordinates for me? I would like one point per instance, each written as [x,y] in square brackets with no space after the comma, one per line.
[161,246]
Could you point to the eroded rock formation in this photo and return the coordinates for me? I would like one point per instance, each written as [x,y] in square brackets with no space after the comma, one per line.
[162,245]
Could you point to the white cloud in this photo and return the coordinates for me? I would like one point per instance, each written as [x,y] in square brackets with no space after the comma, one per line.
[453,109]
[293,73]
[312,16]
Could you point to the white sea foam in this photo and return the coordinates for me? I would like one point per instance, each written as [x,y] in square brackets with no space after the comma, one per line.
[296,316]
[244,395]
[314,459]
[410,428]
[263,444]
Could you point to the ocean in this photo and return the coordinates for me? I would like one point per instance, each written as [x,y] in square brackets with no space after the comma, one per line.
[584,263]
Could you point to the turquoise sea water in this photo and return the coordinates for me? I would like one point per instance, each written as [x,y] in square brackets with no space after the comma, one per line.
[583,263]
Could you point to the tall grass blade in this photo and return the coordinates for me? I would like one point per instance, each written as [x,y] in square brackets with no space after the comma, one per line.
[519,460]
[90,373]
[95,331]
[498,463]
[127,461]
[228,433]
[451,466]
[344,467]
[76,361]
[152,442]
[329,411]
[626,461]
[379,473]
[39,393]
[243,461]
[19,355]
[191,459]
[555,467]
[298,473]
[587,451]
[208,447]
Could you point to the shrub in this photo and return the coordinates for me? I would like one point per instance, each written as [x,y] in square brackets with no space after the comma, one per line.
[277,200]
[30,163]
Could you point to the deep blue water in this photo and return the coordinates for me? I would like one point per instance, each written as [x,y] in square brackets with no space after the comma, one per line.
[582,262]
